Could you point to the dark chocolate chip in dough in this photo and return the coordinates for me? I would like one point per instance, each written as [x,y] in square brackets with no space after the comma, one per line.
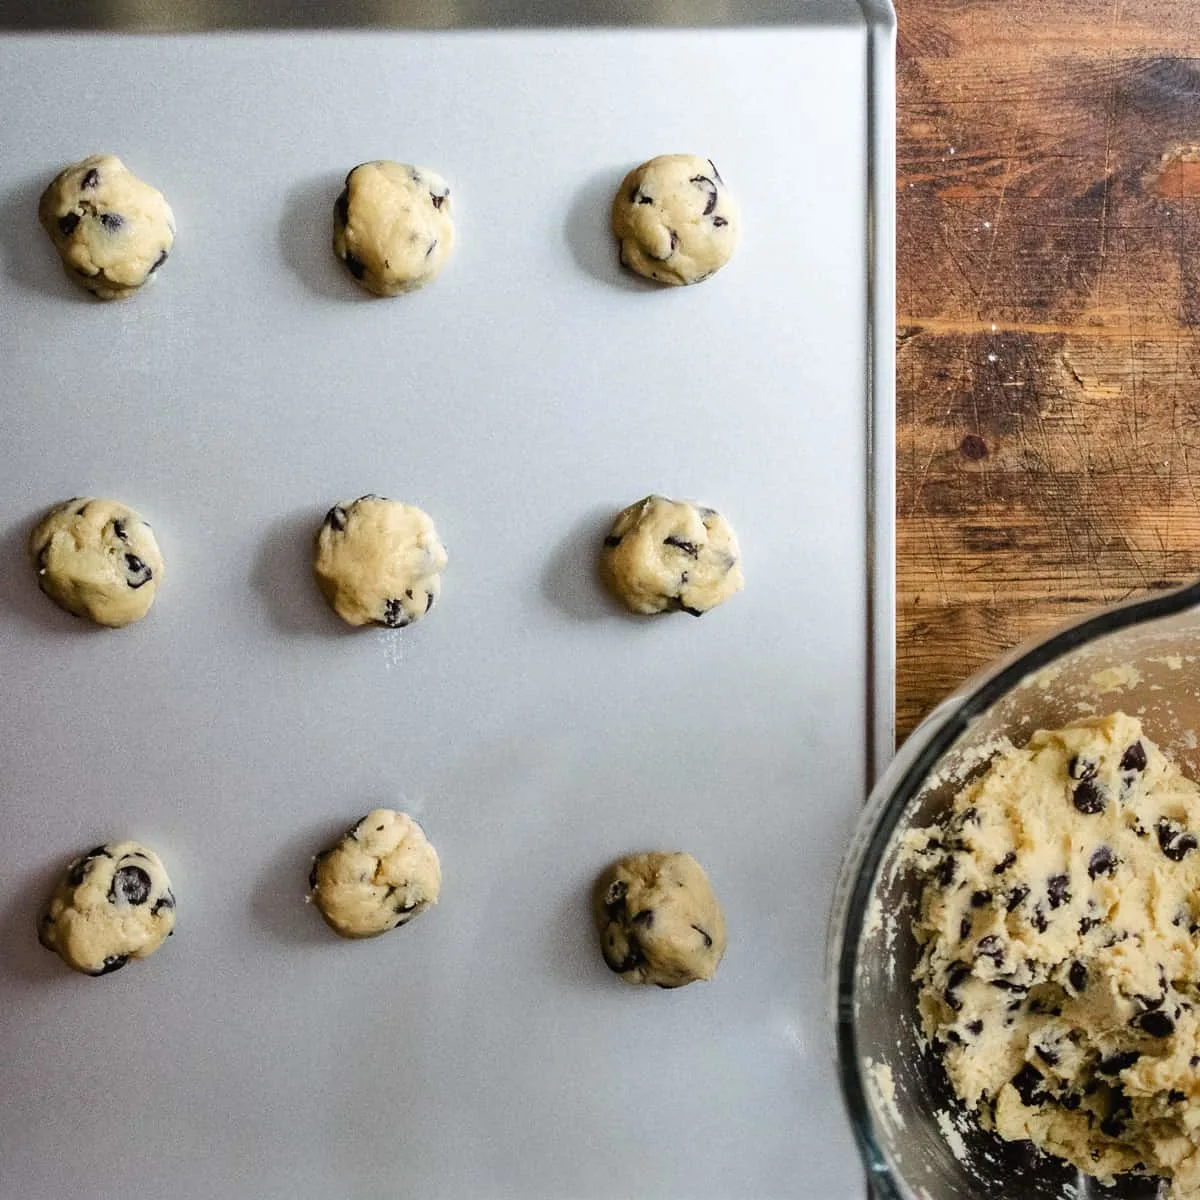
[719,221]
[1007,861]
[1114,1064]
[614,898]
[946,871]
[112,222]
[688,548]
[114,962]
[67,223]
[1038,920]
[432,248]
[703,181]
[428,601]
[1028,1081]
[1058,890]
[341,208]
[1175,1096]
[1102,862]
[355,265]
[130,885]
[716,173]
[158,262]
[1174,841]
[1119,1112]
[1156,1023]
[335,518]
[1082,768]
[1088,797]
[166,902]
[1134,758]
[975,1027]
[633,958]
[394,616]
[1047,1054]
[438,201]
[139,574]
[645,918]
[612,540]
[705,935]
[118,528]
[1016,897]
[979,899]
[1077,976]
[990,947]
[644,199]
[90,180]
[964,928]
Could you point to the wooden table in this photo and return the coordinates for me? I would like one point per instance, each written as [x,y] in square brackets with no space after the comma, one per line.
[1048,328]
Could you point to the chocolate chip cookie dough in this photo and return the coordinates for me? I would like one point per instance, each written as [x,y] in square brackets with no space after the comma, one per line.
[1060,950]
[379,562]
[658,920]
[672,555]
[675,219]
[380,876]
[112,230]
[392,226]
[113,904]
[97,559]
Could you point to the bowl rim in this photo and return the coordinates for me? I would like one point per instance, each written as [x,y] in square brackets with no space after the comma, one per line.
[881,815]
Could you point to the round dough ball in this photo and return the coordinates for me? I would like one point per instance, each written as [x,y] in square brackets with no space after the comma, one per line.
[663,555]
[392,226]
[380,876]
[675,219]
[97,559]
[379,562]
[112,230]
[658,920]
[113,904]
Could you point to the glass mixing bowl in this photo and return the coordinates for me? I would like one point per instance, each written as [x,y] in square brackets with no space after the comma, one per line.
[915,1139]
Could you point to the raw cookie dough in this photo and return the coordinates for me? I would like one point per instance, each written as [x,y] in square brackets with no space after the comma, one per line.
[378,877]
[392,226]
[97,559]
[113,904]
[658,920]
[675,219]
[1060,950]
[379,561]
[112,230]
[663,555]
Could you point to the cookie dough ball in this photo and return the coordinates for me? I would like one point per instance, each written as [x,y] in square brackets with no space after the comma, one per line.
[379,562]
[392,226]
[675,219]
[378,877]
[112,230]
[97,559]
[663,555]
[115,903]
[658,920]
[1059,929]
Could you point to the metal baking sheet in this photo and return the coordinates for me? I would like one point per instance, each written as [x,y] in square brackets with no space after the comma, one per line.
[533,729]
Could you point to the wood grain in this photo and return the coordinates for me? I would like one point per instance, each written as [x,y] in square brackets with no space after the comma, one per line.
[1048,326]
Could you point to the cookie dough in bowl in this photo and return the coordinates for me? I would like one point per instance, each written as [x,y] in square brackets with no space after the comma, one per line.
[111,230]
[392,226]
[97,559]
[1059,973]
[658,920]
[672,555]
[380,876]
[113,904]
[379,562]
[675,219]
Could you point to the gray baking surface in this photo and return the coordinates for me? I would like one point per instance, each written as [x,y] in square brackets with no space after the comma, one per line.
[533,729]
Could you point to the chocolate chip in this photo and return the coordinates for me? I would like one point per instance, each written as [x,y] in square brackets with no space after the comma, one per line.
[91,179]
[633,958]
[1174,842]
[1038,920]
[674,241]
[1070,1101]
[1175,1096]
[438,201]
[1057,890]
[719,221]
[979,899]
[704,182]
[946,871]
[689,548]
[612,540]
[1088,797]
[644,199]
[1016,896]
[394,614]
[1116,1063]
[1087,924]
[112,222]
[1049,1056]
[1113,1125]
[341,208]
[355,265]
[954,1036]
[1006,862]
[964,928]
[130,885]
[990,947]
[335,518]
[645,918]
[1077,976]
[1134,758]
[716,173]
[432,247]
[1155,1023]
[67,224]
[163,902]
[139,574]
[975,1027]
[114,962]
[158,262]
[614,898]
[1082,768]
[1102,862]
[1028,1082]
[691,612]
[118,528]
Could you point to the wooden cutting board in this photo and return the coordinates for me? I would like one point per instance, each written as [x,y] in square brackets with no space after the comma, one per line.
[1048,326]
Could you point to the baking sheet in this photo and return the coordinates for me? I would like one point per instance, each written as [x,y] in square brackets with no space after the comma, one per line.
[533,729]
